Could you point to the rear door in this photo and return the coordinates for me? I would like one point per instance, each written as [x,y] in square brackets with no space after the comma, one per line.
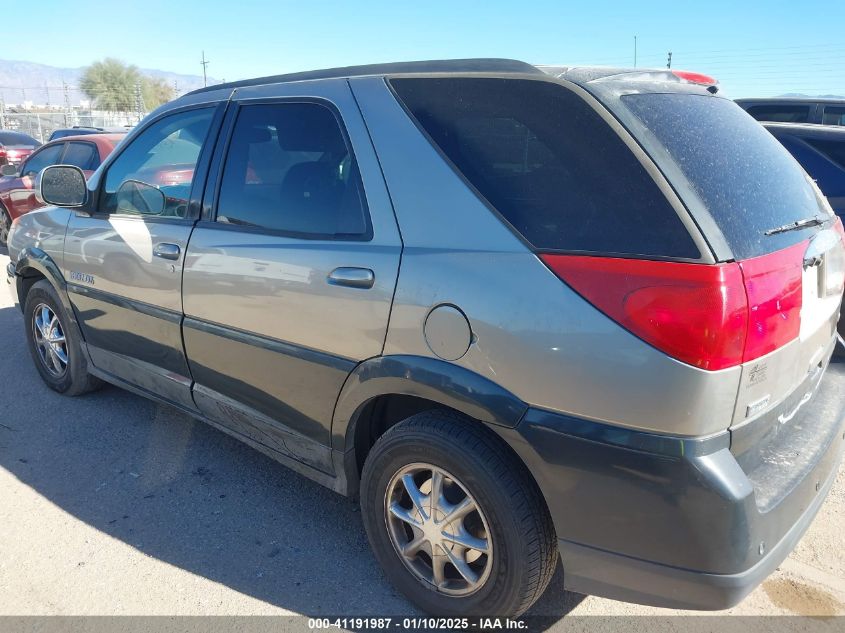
[289,276]
[20,198]
[123,263]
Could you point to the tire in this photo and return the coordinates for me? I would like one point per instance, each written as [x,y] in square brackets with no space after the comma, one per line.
[517,553]
[5,225]
[43,308]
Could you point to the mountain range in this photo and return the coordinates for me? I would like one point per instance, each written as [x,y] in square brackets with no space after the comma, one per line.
[22,81]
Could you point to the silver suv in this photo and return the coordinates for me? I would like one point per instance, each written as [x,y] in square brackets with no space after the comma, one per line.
[525,314]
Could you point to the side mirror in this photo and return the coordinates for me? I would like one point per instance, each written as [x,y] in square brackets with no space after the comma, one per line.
[8,170]
[61,186]
[137,196]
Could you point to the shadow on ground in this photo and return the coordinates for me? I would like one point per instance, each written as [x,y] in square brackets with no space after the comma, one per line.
[193,497]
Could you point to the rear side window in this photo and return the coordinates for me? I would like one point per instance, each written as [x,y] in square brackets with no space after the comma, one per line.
[288,169]
[780,113]
[41,159]
[834,115]
[747,180]
[82,155]
[549,164]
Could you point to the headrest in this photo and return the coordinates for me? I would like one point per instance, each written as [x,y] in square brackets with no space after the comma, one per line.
[306,128]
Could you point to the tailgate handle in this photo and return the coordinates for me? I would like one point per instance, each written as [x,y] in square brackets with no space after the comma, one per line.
[352,277]
[167,251]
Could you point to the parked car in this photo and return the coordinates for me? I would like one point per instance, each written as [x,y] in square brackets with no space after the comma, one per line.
[17,186]
[15,147]
[80,130]
[586,354]
[821,151]
[796,110]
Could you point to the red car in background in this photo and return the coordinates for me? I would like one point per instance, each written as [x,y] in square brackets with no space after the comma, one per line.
[15,147]
[17,193]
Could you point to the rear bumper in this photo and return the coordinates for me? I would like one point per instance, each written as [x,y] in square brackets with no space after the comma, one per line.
[676,522]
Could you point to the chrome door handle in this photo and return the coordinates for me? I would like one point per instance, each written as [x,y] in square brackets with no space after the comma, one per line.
[352,277]
[167,251]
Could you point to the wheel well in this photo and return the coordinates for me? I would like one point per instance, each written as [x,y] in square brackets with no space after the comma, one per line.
[29,277]
[383,412]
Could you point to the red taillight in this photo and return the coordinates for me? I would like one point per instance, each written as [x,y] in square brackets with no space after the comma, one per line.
[696,313]
[696,78]
[710,316]
[773,287]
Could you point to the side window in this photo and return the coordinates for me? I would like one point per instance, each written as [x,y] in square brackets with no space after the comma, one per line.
[288,168]
[163,156]
[82,155]
[781,113]
[834,115]
[41,159]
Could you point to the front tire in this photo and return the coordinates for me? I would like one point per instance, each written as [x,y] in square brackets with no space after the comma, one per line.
[54,343]
[454,518]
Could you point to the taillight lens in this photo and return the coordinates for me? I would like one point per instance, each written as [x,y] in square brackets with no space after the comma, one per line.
[773,286]
[696,78]
[696,313]
[710,316]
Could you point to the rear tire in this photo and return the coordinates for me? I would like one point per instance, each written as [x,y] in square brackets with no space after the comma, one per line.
[509,544]
[5,226]
[54,343]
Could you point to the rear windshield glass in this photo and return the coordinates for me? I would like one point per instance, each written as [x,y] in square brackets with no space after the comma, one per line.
[16,138]
[549,164]
[749,183]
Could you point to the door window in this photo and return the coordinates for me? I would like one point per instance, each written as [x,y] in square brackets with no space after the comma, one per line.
[48,156]
[834,115]
[82,155]
[781,113]
[289,169]
[163,156]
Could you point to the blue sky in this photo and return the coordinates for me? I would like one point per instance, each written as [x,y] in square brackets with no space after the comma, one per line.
[753,48]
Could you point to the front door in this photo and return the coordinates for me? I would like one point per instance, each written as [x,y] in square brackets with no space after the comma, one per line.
[288,283]
[123,263]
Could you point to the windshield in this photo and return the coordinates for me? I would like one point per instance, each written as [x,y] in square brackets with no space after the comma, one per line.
[749,183]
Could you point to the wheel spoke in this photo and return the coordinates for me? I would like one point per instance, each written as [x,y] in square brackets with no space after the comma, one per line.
[436,491]
[459,510]
[467,540]
[412,547]
[403,515]
[438,569]
[462,566]
[417,497]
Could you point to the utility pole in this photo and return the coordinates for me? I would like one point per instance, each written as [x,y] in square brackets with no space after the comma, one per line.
[2,112]
[67,103]
[204,63]
[669,61]
[635,51]
[175,88]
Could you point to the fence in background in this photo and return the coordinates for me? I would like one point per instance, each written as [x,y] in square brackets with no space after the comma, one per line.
[40,125]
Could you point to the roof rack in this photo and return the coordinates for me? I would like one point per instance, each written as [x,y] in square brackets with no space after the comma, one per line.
[490,65]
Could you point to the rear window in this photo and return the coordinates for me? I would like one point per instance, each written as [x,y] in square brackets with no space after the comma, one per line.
[781,113]
[549,164]
[16,138]
[746,179]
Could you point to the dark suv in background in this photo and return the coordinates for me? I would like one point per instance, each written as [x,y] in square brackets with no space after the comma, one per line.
[796,110]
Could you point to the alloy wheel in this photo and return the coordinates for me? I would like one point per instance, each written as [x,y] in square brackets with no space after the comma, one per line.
[438,529]
[49,338]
